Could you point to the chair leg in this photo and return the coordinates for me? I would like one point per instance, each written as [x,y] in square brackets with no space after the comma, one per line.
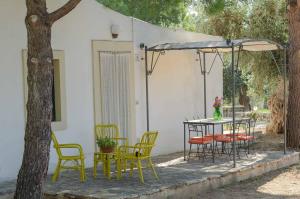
[190,151]
[108,168]
[56,172]
[131,167]
[119,168]
[140,171]
[103,160]
[95,165]
[124,166]
[82,170]
[153,169]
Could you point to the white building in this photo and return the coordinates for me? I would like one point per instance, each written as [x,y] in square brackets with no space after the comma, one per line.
[79,41]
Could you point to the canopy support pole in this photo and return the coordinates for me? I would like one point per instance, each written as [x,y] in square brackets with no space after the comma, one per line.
[233,103]
[147,86]
[204,79]
[284,93]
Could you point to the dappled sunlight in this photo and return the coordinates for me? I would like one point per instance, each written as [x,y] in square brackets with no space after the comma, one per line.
[222,164]
[175,161]
[285,184]
[252,159]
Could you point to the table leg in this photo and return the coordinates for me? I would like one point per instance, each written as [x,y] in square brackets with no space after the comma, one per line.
[249,123]
[222,131]
[184,141]
[108,168]
[213,144]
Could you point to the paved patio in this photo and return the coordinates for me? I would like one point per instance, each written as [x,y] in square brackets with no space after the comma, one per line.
[176,175]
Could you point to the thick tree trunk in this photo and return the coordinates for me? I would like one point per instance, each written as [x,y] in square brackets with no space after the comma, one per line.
[39,105]
[34,166]
[293,116]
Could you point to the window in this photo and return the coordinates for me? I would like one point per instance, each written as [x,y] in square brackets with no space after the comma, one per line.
[59,95]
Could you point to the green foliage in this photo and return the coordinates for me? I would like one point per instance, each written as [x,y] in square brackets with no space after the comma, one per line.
[214,6]
[221,17]
[160,12]
[259,19]
[240,81]
[267,20]
[106,142]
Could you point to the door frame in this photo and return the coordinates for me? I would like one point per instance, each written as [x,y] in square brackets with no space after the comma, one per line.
[104,45]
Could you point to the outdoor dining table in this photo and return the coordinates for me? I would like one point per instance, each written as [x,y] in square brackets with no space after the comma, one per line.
[213,123]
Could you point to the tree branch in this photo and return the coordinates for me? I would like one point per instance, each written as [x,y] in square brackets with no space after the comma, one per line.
[64,10]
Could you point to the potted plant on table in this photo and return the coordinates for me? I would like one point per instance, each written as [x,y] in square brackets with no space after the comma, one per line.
[217,105]
[106,144]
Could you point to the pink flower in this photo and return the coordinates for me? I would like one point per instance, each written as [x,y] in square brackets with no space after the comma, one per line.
[218,102]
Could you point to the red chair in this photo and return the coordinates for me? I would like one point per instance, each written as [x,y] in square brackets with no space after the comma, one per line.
[226,143]
[199,141]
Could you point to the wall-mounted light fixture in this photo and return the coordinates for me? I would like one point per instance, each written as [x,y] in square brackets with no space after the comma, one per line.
[142,46]
[115,30]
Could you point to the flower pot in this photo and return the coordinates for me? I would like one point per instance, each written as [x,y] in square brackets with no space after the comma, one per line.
[107,149]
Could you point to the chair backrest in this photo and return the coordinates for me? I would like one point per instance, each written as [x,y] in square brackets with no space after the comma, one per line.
[106,130]
[149,139]
[55,144]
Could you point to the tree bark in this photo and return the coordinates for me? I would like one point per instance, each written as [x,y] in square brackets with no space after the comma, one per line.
[293,115]
[37,139]
[276,105]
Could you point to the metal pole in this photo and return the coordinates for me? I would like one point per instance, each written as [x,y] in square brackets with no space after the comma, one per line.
[204,76]
[184,142]
[147,87]
[284,98]
[233,103]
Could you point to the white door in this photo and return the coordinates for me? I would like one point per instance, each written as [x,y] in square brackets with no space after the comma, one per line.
[113,85]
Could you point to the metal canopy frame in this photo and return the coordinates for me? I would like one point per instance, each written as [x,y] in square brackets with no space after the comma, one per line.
[218,47]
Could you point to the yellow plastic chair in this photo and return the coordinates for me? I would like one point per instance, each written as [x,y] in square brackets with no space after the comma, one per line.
[110,131]
[63,159]
[141,151]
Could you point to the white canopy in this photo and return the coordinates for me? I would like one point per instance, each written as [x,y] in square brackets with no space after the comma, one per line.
[221,46]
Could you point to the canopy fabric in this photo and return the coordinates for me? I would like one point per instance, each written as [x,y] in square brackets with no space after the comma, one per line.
[221,46]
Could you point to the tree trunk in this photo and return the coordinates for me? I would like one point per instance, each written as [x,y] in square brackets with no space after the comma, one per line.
[34,166]
[293,116]
[276,105]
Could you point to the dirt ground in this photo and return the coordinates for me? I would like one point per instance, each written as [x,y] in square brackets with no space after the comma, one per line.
[280,184]
[268,142]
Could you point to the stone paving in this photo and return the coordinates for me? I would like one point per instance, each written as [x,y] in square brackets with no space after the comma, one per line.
[171,168]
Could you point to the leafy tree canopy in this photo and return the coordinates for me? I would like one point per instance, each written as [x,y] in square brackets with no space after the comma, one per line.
[161,12]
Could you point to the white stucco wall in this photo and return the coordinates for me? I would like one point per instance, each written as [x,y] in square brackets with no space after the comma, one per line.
[175,87]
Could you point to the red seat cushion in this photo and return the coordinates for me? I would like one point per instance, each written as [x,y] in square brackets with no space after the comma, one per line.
[236,135]
[200,140]
[223,138]
[211,136]
[245,138]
